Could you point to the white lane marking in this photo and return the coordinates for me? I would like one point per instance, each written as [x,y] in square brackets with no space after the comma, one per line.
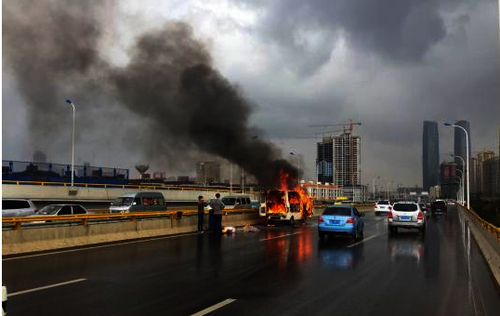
[214,307]
[360,242]
[95,247]
[280,236]
[46,287]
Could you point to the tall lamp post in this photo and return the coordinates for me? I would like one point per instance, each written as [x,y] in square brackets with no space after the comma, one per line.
[373,185]
[463,182]
[468,158]
[461,187]
[72,143]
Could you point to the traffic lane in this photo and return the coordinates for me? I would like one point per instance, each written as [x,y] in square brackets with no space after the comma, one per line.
[407,274]
[276,271]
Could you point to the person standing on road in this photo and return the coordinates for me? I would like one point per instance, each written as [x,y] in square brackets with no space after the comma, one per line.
[201,213]
[217,207]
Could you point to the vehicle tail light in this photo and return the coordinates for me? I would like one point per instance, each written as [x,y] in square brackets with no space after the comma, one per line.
[389,214]
[350,220]
[321,219]
[420,215]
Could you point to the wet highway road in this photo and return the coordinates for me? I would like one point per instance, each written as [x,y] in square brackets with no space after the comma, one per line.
[276,271]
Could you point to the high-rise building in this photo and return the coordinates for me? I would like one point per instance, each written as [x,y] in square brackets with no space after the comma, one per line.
[430,155]
[338,160]
[324,160]
[479,175]
[450,181]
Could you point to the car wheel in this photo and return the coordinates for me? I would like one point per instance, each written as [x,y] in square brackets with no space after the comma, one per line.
[355,235]
[270,223]
[422,230]
[292,222]
[321,235]
[393,230]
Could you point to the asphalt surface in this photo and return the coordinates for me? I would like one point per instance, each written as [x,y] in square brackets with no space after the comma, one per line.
[275,271]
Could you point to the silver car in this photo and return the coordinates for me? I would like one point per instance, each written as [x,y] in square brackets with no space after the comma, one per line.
[17,207]
[406,215]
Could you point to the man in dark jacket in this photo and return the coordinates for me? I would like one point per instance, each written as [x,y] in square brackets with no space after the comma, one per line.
[217,207]
[201,213]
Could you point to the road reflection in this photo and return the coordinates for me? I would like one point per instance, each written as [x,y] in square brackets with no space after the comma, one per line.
[406,246]
[294,246]
[340,254]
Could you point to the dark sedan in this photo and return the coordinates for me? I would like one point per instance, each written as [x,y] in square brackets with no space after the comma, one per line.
[439,206]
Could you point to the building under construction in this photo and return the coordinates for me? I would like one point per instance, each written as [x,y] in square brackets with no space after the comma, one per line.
[338,160]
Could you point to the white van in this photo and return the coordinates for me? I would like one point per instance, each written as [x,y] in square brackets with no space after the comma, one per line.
[237,202]
[139,202]
[284,206]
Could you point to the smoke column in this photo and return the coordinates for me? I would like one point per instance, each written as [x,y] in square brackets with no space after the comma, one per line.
[169,82]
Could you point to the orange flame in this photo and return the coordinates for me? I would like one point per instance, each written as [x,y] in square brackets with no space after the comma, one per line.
[298,199]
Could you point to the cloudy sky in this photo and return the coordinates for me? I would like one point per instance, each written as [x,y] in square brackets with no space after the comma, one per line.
[388,64]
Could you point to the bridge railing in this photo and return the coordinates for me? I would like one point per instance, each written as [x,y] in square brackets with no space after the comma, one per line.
[486,225]
[120,186]
[17,223]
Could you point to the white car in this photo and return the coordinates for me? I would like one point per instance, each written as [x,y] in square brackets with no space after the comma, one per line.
[407,215]
[382,206]
[17,207]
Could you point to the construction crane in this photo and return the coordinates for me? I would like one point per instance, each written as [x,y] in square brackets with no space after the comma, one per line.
[348,127]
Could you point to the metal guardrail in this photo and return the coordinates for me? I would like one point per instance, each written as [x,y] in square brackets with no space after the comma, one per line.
[17,222]
[490,227]
[122,186]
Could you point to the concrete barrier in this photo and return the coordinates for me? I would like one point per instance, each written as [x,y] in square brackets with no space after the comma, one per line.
[45,238]
[487,242]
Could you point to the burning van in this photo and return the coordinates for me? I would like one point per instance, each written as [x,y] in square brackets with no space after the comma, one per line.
[285,206]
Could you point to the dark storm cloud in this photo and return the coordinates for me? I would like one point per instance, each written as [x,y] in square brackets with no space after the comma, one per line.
[399,31]
[169,84]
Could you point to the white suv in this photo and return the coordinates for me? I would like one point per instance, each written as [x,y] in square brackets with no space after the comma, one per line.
[406,215]
[382,206]
[17,207]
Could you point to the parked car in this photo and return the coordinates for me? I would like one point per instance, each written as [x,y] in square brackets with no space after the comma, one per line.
[139,202]
[62,209]
[407,215]
[439,206]
[17,207]
[382,206]
[236,202]
[341,220]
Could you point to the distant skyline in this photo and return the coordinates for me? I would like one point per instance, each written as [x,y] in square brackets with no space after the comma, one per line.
[292,64]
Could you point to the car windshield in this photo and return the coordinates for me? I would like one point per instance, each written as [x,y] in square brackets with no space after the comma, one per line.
[49,210]
[123,201]
[405,207]
[229,201]
[342,211]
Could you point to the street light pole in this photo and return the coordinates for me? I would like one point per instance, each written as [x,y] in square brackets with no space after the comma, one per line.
[72,143]
[462,186]
[463,180]
[373,185]
[468,158]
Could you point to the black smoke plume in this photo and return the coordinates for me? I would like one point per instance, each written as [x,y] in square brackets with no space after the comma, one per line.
[169,83]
